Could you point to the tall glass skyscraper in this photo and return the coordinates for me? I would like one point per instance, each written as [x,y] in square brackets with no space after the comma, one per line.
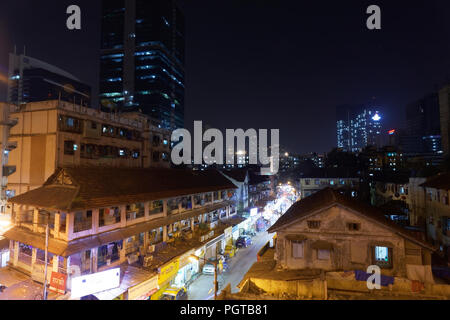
[142,59]
[357,126]
[33,80]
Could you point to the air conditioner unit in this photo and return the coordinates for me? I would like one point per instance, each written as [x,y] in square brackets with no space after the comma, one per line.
[151,248]
[202,238]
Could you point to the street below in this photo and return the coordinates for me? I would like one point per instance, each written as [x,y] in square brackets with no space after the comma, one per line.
[203,287]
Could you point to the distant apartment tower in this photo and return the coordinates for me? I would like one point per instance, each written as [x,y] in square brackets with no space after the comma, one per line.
[357,126]
[32,80]
[142,59]
[422,133]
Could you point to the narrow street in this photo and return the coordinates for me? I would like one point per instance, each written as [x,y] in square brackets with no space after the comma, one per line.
[203,287]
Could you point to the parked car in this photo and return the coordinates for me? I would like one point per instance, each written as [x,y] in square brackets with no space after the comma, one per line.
[208,268]
[243,241]
[174,293]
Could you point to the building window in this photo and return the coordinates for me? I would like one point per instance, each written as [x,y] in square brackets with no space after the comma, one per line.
[354,226]
[135,211]
[297,249]
[156,141]
[136,154]
[109,216]
[157,207]
[82,221]
[323,254]
[383,256]
[109,253]
[93,125]
[70,147]
[445,199]
[314,224]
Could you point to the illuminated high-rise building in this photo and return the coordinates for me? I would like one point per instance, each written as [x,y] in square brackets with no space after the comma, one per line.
[357,126]
[142,59]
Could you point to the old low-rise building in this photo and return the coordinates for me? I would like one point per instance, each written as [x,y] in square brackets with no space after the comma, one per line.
[332,232]
[435,205]
[310,185]
[101,217]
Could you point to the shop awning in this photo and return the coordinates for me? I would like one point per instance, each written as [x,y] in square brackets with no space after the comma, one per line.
[36,240]
[322,245]
[295,237]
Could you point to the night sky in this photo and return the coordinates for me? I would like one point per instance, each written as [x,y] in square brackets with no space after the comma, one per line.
[266,64]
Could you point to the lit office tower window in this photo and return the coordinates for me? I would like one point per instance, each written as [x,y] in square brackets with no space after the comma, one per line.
[142,59]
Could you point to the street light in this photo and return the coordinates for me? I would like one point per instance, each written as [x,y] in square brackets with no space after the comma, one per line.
[193,258]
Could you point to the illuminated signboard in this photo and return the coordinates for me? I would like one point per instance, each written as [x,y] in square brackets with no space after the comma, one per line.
[391,132]
[168,272]
[96,282]
[253,212]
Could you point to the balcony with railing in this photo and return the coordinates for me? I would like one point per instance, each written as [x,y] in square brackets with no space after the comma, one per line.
[82,221]
[172,206]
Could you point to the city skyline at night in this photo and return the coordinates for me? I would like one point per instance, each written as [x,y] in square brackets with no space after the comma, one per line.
[235,67]
[249,156]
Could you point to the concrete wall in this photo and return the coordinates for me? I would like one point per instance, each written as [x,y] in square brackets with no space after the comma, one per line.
[312,289]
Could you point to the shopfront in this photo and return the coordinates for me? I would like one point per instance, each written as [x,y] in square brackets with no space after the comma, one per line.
[228,236]
[215,247]
[187,269]
[167,273]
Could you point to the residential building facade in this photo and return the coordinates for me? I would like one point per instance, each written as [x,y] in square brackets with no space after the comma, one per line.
[53,134]
[101,218]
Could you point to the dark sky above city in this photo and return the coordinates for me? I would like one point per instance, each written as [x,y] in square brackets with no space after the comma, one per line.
[266,64]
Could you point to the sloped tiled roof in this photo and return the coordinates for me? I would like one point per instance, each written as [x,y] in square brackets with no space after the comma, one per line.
[76,188]
[328,198]
[255,179]
[441,181]
[237,174]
